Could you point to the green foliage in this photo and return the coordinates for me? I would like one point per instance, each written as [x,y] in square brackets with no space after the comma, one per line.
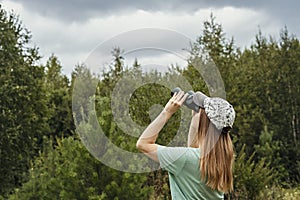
[262,83]
[59,99]
[250,177]
[270,64]
[118,185]
[23,108]
[269,150]
[67,171]
[277,192]
[59,174]
[213,45]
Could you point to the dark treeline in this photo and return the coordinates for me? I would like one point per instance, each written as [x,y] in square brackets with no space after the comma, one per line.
[42,157]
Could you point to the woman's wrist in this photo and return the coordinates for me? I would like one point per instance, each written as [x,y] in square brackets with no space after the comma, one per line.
[166,114]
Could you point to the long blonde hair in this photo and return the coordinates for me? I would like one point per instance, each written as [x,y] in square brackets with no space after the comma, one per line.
[217,155]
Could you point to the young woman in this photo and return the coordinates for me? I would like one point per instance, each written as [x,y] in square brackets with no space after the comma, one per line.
[203,170]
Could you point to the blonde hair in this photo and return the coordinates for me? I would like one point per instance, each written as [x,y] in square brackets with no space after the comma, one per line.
[217,155]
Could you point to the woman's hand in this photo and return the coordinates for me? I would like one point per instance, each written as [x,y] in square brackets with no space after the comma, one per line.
[175,102]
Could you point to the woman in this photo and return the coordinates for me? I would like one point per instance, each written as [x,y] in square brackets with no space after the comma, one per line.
[203,170]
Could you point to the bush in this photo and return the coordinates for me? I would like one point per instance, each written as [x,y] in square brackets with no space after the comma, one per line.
[277,192]
[69,171]
[66,171]
[250,177]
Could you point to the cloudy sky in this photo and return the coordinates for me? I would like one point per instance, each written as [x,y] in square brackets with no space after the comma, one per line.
[72,29]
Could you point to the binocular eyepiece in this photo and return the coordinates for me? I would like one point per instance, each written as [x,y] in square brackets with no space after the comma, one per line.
[189,101]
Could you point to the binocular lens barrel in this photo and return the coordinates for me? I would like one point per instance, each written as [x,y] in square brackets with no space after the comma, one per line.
[189,102]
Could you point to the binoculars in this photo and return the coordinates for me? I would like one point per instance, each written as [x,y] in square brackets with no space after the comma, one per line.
[189,101]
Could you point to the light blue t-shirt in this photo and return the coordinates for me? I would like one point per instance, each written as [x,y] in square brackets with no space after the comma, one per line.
[182,164]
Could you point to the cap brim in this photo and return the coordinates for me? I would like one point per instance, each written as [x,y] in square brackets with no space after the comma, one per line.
[199,98]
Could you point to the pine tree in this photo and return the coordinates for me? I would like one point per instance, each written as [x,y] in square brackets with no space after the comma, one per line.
[23,111]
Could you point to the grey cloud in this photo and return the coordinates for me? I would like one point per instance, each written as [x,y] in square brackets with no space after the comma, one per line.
[69,11]
[81,10]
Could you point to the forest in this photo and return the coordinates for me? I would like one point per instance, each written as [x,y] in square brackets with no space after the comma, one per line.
[42,156]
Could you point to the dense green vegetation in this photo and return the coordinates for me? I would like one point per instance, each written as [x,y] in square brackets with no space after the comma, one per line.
[41,156]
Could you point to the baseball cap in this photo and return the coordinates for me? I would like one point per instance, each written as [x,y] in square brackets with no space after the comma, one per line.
[219,111]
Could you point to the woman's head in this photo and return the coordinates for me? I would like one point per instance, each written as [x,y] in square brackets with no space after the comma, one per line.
[209,132]
[217,155]
[198,128]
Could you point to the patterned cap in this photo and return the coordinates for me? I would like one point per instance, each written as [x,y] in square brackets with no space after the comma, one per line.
[219,111]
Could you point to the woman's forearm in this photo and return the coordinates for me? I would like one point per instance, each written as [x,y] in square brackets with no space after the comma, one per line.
[146,142]
[150,134]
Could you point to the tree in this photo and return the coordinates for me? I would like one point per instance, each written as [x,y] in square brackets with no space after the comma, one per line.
[23,111]
[118,185]
[287,93]
[250,177]
[269,150]
[67,171]
[213,45]
[59,99]
[273,65]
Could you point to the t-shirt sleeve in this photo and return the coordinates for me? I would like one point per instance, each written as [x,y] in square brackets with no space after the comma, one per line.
[171,159]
